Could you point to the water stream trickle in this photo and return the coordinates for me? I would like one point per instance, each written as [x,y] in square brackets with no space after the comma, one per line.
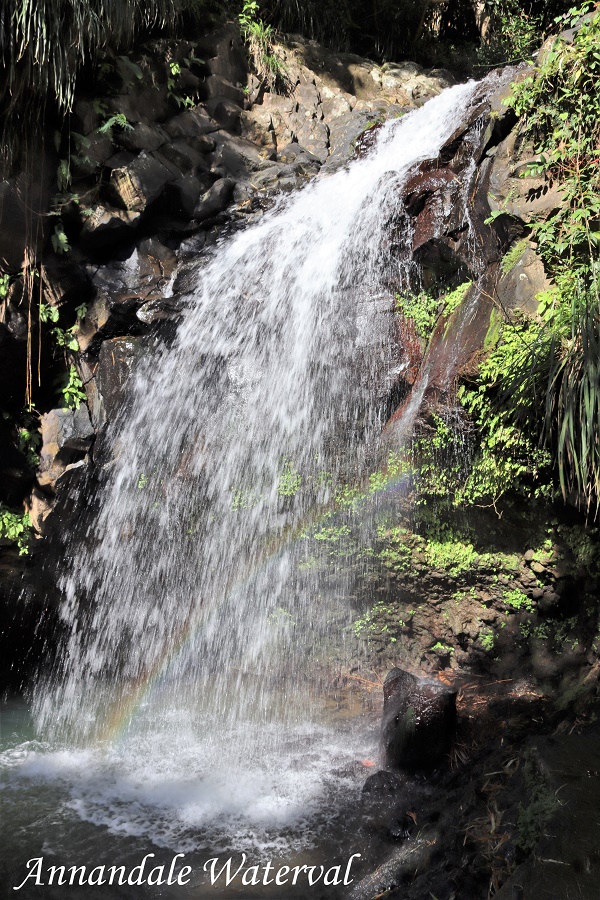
[184,702]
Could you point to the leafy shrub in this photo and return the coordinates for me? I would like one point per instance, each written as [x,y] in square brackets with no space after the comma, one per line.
[553,389]
[16,528]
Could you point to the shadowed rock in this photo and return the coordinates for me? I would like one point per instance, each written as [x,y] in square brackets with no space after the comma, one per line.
[418,721]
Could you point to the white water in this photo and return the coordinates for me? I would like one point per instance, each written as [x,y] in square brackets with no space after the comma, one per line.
[190,632]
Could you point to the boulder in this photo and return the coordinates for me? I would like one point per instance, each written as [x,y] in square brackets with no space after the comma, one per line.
[419,719]
[519,287]
[184,194]
[225,52]
[165,309]
[121,288]
[217,86]
[106,389]
[382,782]
[226,113]
[141,137]
[136,186]
[181,157]
[107,225]
[67,435]
[214,200]
[513,191]
[191,123]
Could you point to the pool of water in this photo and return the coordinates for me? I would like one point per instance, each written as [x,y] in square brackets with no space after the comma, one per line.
[166,785]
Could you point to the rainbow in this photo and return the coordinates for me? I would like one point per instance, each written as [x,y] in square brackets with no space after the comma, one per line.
[124,709]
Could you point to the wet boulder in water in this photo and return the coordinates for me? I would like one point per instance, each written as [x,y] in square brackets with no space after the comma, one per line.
[419,717]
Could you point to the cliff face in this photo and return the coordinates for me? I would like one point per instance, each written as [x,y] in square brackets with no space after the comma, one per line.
[166,151]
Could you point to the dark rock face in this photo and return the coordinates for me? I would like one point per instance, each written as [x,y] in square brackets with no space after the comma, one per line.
[419,718]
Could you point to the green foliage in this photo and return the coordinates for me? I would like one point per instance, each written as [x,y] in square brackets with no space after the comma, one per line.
[60,241]
[553,390]
[510,259]
[487,640]
[397,553]
[379,29]
[29,439]
[513,33]
[583,544]
[48,313]
[442,649]
[16,528]
[422,309]
[260,39]
[454,298]
[43,45]
[507,456]
[4,286]
[331,534]
[377,620]
[541,806]
[454,556]
[183,100]
[71,388]
[517,600]
[65,339]
[119,120]
[290,481]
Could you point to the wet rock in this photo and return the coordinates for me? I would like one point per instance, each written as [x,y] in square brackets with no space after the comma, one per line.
[343,134]
[121,287]
[159,310]
[184,194]
[67,434]
[419,718]
[106,389]
[39,508]
[382,783]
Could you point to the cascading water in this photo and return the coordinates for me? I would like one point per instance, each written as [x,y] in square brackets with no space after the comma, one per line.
[180,712]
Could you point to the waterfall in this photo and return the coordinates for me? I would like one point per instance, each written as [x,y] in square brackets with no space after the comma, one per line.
[185,616]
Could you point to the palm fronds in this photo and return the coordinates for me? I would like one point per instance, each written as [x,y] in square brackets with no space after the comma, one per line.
[44,43]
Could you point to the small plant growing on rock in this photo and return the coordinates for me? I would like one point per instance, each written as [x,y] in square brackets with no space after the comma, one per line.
[15,528]
[71,388]
[4,286]
[260,39]
[119,120]
[289,481]
[487,640]
[518,601]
